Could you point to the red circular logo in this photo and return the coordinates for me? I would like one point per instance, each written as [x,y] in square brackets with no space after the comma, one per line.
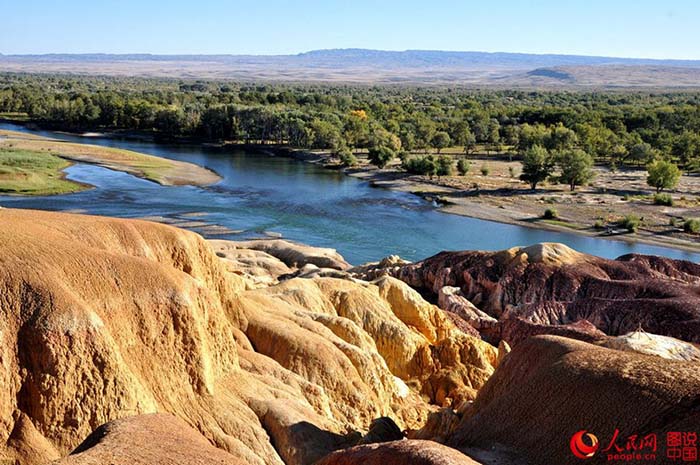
[580,448]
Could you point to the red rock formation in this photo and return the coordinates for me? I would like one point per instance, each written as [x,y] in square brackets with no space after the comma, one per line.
[550,284]
[414,452]
[516,330]
[550,387]
[102,319]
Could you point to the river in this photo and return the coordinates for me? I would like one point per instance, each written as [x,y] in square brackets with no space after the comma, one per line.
[262,195]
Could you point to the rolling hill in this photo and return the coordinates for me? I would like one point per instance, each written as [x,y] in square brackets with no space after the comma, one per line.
[376,66]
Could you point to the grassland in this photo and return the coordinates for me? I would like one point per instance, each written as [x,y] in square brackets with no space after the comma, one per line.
[160,170]
[26,172]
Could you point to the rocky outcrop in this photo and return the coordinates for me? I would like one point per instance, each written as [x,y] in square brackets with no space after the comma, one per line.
[453,301]
[297,255]
[104,319]
[653,344]
[259,268]
[386,266]
[383,324]
[551,387]
[156,439]
[138,337]
[551,285]
[415,452]
[516,330]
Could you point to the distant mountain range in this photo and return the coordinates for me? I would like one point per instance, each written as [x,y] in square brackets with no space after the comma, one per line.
[376,66]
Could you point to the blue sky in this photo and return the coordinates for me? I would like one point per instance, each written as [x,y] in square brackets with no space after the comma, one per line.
[631,28]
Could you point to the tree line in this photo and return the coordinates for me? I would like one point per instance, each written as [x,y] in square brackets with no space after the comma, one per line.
[542,127]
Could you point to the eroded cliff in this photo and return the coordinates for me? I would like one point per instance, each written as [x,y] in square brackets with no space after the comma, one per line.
[105,319]
[547,288]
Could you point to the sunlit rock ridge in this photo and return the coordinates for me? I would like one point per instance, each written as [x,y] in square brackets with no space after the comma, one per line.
[130,342]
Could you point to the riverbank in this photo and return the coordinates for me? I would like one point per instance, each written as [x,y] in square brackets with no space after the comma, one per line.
[593,210]
[25,172]
[160,170]
[500,196]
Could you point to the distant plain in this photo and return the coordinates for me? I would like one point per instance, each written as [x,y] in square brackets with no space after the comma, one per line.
[361,66]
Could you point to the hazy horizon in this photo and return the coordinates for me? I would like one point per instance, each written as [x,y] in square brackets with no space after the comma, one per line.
[626,28]
[332,49]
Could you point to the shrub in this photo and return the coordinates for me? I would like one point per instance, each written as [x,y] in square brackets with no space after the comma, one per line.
[426,166]
[463,166]
[692,226]
[485,170]
[599,224]
[630,223]
[445,166]
[672,222]
[663,199]
[347,159]
[550,214]
[511,171]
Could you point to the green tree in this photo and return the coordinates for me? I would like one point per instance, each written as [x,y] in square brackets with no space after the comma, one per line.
[356,129]
[494,135]
[511,136]
[326,134]
[642,153]
[662,175]
[170,121]
[380,137]
[469,143]
[686,147]
[537,165]
[576,167]
[424,131]
[407,137]
[464,137]
[562,138]
[480,125]
[618,153]
[381,155]
[532,135]
[596,140]
[440,140]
